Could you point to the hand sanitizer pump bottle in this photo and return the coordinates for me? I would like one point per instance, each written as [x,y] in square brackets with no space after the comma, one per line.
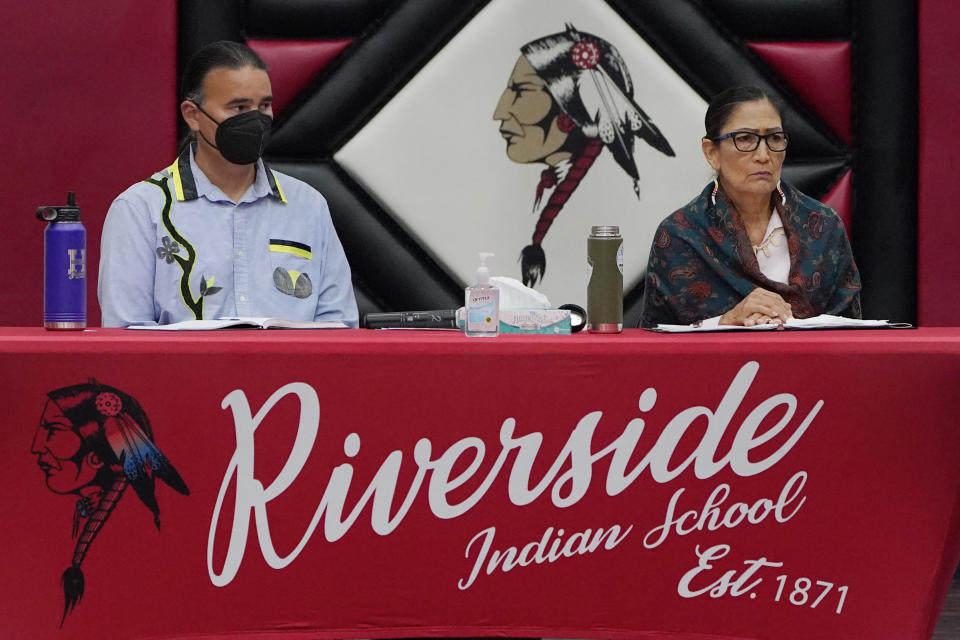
[482,304]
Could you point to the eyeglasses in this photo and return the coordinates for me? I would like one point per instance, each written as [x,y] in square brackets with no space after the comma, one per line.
[749,141]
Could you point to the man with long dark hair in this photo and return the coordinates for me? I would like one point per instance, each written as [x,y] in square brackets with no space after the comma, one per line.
[219,233]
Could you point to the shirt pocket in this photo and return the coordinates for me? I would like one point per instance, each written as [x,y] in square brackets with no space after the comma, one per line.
[292,264]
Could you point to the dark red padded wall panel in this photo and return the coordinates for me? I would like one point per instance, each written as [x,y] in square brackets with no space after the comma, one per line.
[938,251]
[294,63]
[88,105]
[838,199]
[819,72]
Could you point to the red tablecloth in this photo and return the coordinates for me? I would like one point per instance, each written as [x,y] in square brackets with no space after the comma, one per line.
[384,484]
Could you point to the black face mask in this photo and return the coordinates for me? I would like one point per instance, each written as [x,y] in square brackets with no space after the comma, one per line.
[241,138]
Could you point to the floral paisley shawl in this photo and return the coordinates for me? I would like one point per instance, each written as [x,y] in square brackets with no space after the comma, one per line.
[702,263]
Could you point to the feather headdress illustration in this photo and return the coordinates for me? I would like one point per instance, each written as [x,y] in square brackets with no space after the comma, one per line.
[94,441]
[570,96]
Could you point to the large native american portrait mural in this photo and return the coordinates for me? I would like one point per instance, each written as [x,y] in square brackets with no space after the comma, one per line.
[93,441]
[569,96]
[590,126]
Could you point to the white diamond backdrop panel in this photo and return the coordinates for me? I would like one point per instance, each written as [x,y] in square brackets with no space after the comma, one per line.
[434,157]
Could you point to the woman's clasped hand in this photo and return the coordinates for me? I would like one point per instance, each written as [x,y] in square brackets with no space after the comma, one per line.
[759,307]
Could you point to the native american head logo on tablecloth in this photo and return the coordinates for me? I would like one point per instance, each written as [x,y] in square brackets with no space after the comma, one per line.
[569,96]
[93,441]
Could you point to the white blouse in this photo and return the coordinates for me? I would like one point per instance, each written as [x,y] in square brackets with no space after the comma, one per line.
[772,253]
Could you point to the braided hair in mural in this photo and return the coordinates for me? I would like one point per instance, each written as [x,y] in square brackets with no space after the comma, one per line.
[569,96]
[93,441]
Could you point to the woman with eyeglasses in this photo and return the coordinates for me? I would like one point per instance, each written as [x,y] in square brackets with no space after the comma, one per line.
[750,249]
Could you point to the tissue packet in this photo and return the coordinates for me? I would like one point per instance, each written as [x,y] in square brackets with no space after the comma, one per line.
[543,321]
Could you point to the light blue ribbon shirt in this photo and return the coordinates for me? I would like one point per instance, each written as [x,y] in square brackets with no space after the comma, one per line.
[175,247]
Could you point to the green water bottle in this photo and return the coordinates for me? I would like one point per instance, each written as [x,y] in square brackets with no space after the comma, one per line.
[605,289]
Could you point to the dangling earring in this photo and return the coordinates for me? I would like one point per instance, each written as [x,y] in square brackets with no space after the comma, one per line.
[783,196]
[713,194]
[565,123]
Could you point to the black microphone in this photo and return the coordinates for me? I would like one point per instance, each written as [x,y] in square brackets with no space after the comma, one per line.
[443,319]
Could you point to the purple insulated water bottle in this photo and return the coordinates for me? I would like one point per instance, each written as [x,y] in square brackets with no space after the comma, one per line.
[64,266]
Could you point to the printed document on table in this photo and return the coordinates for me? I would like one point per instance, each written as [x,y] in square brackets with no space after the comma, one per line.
[824,321]
[240,323]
